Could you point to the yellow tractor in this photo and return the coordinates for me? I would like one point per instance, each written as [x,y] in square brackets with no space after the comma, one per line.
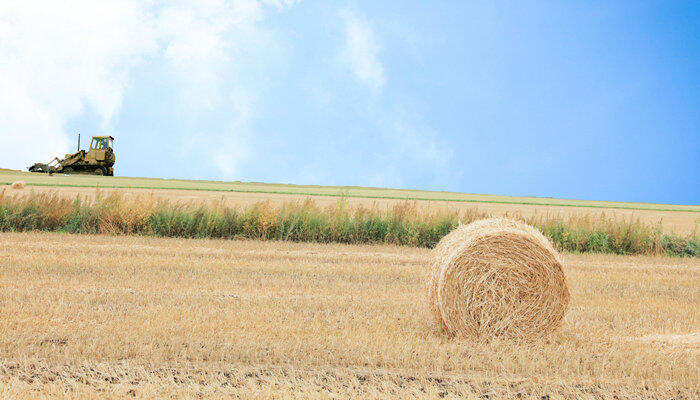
[98,160]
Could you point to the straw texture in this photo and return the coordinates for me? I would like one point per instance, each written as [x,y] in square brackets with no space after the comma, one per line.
[497,277]
[18,185]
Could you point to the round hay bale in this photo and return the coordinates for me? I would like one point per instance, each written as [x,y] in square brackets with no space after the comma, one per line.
[18,185]
[441,252]
[447,246]
[497,277]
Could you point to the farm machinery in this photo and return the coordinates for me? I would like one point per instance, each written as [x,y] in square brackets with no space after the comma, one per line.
[98,160]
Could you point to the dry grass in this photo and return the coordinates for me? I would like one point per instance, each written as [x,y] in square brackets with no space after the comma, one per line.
[406,223]
[683,221]
[679,222]
[497,277]
[111,316]
[18,185]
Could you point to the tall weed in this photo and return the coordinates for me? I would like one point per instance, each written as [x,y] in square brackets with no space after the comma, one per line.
[405,223]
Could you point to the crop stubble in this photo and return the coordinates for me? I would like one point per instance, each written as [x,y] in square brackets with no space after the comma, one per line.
[86,315]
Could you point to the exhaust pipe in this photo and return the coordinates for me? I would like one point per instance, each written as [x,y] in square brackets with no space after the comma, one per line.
[78,142]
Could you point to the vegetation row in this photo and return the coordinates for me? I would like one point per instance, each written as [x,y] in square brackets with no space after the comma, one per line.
[403,224]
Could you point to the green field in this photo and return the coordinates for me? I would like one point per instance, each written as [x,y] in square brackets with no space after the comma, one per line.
[33,179]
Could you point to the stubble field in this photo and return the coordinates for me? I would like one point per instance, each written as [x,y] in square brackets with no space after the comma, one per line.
[114,316]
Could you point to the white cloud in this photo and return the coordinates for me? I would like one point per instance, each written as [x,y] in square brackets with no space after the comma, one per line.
[411,150]
[202,38]
[419,143]
[58,58]
[360,53]
[281,4]
[232,151]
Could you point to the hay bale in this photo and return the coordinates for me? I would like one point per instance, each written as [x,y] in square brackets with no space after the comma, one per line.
[18,185]
[497,277]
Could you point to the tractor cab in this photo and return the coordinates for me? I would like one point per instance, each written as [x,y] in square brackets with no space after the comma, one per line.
[102,143]
[100,151]
[101,154]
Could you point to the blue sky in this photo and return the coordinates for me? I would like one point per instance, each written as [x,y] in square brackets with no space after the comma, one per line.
[586,100]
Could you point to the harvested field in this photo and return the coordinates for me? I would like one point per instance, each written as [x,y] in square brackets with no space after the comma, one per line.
[114,316]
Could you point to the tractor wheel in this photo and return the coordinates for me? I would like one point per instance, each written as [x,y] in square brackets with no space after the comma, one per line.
[99,171]
[67,170]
